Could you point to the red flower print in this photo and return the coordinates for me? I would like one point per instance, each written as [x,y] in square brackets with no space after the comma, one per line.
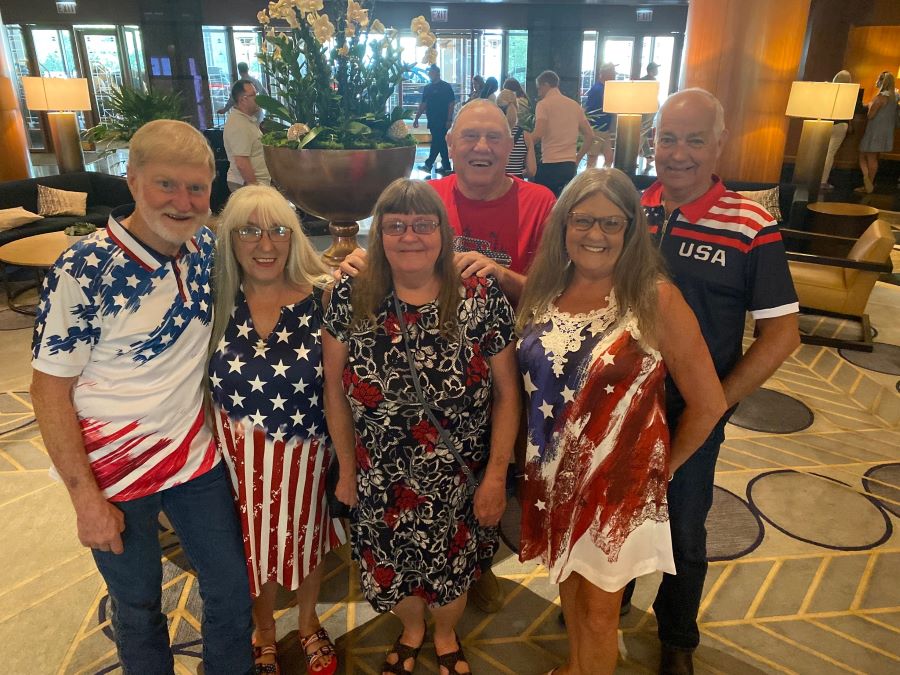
[476,287]
[477,368]
[367,394]
[406,499]
[425,434]
[383,576]
[459,539]
[363,461]
[392,328]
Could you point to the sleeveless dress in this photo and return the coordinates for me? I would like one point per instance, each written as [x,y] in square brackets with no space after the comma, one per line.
[879,133]
[414,529]
[594,496]
[270,427]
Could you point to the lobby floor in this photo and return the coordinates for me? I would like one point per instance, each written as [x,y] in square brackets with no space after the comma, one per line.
[803,534]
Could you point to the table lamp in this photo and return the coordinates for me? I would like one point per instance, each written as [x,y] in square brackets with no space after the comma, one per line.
[629,99]
[59,97]
[818,104]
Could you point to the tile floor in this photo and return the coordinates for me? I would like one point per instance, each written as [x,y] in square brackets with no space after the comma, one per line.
[803,533]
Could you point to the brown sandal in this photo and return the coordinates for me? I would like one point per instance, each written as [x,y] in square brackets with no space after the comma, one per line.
[449,661]
[403,653]
[326,650]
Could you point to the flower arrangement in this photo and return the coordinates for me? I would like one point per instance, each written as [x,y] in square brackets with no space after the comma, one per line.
[333,81]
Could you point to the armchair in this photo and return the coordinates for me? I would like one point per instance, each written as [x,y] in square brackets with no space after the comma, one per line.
[837,286]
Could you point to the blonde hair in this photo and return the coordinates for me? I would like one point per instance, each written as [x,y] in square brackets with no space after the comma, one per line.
[636,273]
[374,283]
[172,142]
[303,266]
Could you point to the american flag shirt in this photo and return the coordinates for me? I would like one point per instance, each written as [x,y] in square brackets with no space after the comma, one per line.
[133,326]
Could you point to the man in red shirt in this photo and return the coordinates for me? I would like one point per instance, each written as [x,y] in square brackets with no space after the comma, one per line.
[498,220]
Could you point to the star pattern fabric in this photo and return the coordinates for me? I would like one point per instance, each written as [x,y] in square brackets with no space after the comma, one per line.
[132,325]
[270,425]
[594,495]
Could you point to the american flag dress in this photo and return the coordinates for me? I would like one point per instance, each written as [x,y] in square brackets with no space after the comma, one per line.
[270,426]
[594,498]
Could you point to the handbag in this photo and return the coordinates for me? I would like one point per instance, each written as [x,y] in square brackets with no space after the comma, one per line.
[472,481]
[336,507]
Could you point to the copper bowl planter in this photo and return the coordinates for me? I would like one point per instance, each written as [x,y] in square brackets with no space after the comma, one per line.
[341,186]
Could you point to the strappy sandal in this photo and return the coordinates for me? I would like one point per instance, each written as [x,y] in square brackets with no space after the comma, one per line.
[450,660]
[264,653]
[403,652]
[314,659]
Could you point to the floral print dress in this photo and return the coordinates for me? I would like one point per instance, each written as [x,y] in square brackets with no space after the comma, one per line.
[414,532]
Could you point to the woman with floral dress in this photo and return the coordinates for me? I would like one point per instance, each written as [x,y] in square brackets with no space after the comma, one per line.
[600,327]
[420,534]
[266,385]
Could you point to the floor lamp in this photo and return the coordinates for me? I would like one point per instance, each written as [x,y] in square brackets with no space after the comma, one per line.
[629,100]
[818,104]
[59,97]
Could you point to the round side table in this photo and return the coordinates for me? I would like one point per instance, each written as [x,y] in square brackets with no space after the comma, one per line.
[38,252]
[838,218]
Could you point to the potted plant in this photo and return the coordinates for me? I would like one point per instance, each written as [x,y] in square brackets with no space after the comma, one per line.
[336,146]
[79,230]
[130,110]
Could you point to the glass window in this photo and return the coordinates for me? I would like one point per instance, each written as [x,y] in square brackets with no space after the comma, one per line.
[134,55]
[619,51]
[659,49]
[218,68]
[105,67]
[19,58]
[247,47]
[492,55]
[517,56]
[588,62]
[53,49]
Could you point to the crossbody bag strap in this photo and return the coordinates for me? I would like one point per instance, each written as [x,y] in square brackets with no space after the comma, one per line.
[445,436]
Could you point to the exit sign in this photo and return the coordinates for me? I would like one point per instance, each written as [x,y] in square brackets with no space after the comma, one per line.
[439,14]
[645,15]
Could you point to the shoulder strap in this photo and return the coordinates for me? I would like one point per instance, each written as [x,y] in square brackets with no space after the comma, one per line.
[445,437]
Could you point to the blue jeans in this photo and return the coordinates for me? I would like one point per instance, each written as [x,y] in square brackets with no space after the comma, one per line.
[203,514]
[690,497]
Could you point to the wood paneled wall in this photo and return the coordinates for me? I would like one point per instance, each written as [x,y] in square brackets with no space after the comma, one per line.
[15,163]
[748,59]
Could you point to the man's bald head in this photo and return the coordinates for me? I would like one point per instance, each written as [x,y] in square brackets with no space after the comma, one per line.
[480,106]
[698,101]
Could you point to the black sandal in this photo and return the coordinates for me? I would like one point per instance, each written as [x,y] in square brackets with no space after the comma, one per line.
[450,660]
[403,653]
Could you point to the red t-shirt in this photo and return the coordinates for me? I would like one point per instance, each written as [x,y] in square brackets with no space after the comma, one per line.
[507,229]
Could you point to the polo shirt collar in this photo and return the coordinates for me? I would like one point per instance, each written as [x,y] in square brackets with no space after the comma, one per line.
[694,210]
[145,256]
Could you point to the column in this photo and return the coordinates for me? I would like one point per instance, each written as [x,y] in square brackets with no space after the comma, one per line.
[173,43]
[16,163]
[555,36]
[747,54]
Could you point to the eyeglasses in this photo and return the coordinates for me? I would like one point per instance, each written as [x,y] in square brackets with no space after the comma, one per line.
[395,228]
[277,234]
[608,224]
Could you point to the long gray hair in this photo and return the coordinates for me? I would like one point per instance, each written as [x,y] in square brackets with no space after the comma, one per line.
[303,267]
[636,273]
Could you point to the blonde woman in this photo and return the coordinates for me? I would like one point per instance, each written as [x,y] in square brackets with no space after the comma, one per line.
[266,384]
[600,327]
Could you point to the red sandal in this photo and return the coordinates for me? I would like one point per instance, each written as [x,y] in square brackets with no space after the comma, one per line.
[266,652]
[323,660]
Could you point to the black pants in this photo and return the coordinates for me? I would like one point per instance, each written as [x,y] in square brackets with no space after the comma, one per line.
[555,175]
[439,146]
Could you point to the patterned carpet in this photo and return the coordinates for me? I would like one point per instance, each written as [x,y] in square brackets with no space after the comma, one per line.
[802,534]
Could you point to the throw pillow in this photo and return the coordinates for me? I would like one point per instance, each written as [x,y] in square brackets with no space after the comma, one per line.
[15,217]
[52,202]
[768,199]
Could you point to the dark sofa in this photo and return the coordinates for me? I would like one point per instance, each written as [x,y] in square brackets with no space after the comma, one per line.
[104,192]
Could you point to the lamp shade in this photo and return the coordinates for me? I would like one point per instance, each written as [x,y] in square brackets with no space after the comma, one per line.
[822,100]
[56,93]
[631,96]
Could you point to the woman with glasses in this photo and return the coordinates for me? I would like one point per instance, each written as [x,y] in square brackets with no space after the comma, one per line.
[404,334]
[600,328]
[265,374]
